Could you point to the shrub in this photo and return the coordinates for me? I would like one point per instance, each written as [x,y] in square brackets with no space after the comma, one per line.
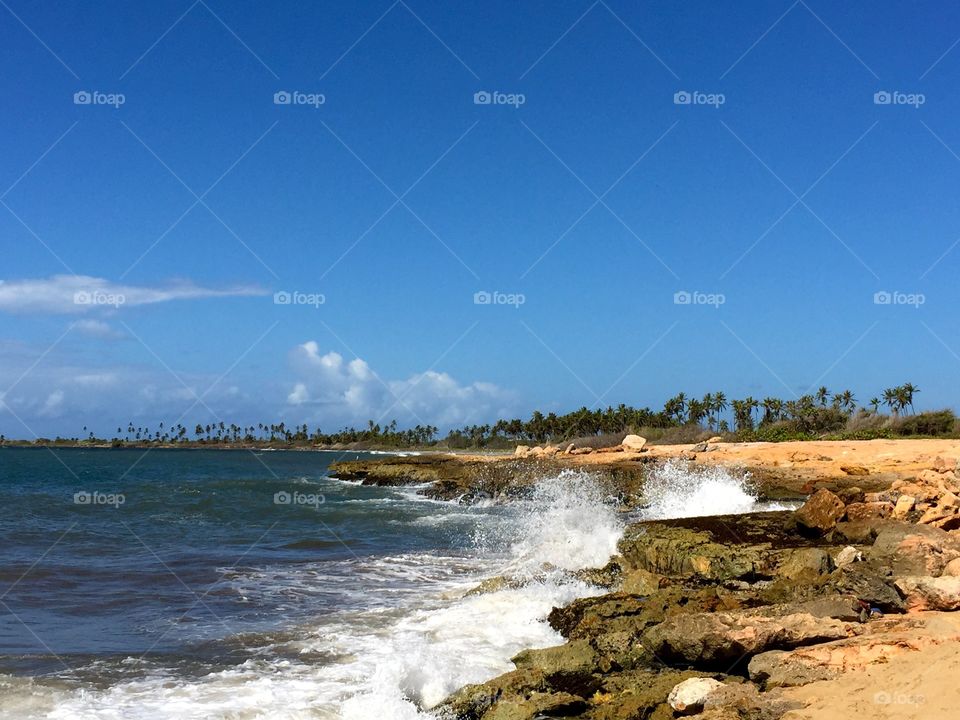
[939,422]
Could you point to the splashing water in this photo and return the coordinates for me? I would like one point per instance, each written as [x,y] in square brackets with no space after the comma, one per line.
[679,490]
[568,524]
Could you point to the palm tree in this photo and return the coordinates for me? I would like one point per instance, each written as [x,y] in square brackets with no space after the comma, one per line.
[875,403]
[696,411]
[909,390]
[708,408]
[719,403]
[822,395]
[891,398]
[772,410]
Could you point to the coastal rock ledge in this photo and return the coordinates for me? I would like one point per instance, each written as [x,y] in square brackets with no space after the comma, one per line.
[733,617]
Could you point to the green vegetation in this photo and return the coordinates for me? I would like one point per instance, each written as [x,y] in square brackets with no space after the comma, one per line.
[682,420]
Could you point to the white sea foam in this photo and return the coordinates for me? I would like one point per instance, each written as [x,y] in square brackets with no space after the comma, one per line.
[677,490]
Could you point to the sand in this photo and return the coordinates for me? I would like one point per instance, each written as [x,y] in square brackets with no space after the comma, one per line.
[917,684]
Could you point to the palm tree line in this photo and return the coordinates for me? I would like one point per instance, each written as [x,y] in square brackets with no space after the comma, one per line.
[818,412]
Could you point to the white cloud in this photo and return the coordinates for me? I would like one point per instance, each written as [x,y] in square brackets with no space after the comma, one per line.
[74,294]
[53,404]
[351,392]
[97,329]
[75,386]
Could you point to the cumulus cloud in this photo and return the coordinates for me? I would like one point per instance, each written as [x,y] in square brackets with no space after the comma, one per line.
[74,386]
[75,294]
[342,391]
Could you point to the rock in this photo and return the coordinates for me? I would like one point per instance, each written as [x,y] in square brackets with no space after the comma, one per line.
[923,491]
[854,470]
[948,499]
[581,451]
[633,443]
[606,577]
[585,617]
[640,582]
[846,556]
[935,514]
[914,549]
[496,584]
[681,552]
[861,532]
[715,439]
[952,568]
[473,701]
[869,582]
[570,448]
[637,694]
[521,451]
[537,705]
[715,640]
[782,668]
[790,668]
[820,513]
[930,477]
[904,505]
[576,656]
[690,695]
[952,522]
[877,510]
[550,451]
[930,593]
[699,447]
[744,701]
[850,495]
[806,562]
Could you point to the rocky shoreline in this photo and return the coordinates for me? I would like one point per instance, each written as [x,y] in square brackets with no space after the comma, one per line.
[734,616]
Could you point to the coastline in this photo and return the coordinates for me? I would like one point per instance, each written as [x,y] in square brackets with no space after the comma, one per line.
[765,615]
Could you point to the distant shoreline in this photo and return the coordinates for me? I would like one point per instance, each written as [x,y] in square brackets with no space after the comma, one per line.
[82,445]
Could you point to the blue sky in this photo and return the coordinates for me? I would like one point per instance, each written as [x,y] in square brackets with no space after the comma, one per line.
[786,188]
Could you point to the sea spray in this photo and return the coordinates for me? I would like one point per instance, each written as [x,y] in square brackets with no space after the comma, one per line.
[677,489]
[566,524]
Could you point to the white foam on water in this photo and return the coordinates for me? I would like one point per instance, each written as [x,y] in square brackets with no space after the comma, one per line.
[407,651]
[678,489]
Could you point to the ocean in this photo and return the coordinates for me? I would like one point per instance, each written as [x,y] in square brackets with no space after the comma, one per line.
[197,584]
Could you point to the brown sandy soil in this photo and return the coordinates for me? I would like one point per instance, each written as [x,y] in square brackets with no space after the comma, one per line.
[912,684]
